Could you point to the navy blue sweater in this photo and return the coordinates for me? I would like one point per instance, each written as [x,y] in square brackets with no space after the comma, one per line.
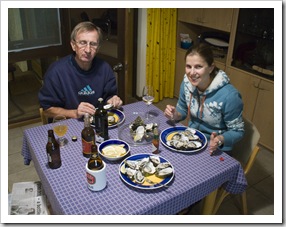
[66,85]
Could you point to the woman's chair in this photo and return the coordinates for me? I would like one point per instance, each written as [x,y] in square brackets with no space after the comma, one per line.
[245,151]
[43,117]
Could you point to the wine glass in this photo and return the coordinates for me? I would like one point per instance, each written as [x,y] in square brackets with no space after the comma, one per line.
[148,97]
[60,128]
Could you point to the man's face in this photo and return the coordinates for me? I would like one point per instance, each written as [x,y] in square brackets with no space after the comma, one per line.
[85,46]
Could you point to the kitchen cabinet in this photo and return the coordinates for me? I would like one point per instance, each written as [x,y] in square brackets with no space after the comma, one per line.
[247,85]
[258,98]
[263,116]
[215,18]
[253,49]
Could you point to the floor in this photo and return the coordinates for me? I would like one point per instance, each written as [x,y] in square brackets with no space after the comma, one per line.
[260,192]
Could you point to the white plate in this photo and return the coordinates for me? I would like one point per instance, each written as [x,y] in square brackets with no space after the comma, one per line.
[166,134]
[127,180]
[216,42]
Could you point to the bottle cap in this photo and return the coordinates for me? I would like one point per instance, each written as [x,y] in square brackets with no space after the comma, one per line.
[74,138]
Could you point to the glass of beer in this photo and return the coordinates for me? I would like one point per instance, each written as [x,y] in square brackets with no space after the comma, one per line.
[60,128]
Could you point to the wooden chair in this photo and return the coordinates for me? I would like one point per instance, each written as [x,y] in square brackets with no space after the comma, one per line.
[43,117]
[245,151]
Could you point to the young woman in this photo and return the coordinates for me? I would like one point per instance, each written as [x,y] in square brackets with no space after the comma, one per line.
[212,104]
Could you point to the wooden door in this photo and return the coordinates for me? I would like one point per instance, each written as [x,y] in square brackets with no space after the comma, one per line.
[263,117]
[117,50]
[247,85]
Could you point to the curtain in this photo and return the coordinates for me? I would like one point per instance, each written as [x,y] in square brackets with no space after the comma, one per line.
[161,51]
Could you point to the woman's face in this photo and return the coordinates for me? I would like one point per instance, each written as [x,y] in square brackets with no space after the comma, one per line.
[198,71]
[85,46]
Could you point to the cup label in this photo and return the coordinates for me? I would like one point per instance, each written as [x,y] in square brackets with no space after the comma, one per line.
[90,178]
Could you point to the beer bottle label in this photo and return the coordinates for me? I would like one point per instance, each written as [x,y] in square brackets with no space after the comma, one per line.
[90,178]
[86,146]
[49,157]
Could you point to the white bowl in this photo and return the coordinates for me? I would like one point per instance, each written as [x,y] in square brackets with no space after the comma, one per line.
[114,148]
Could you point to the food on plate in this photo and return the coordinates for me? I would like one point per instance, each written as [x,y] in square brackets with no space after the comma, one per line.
[140,131]
[111,119]
[114,150]
[185,140]
[146,170]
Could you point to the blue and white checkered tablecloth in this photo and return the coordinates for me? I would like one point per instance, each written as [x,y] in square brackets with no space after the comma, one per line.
[196,175]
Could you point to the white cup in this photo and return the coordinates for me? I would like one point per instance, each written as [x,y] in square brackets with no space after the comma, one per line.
[96,179]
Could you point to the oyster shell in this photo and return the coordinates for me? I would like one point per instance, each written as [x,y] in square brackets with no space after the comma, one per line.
[164,172]
[111,120]
[138,177]
[143,162]
[149,126]
[130,172]
[140,131]
[148,168]
[132,164]
[155,159]
[162,165]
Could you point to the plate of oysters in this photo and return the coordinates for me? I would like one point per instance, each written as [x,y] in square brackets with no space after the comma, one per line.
[115,118]
[183,139]
[138,130]
[146,171]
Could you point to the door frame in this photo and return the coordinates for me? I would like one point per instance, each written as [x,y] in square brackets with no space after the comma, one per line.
[127,34]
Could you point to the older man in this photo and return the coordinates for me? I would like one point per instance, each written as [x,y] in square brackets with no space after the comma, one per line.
[73,84]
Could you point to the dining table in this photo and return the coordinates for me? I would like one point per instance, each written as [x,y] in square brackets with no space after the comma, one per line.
[197,175]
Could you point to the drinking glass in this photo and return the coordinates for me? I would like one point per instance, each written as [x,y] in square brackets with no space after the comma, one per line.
[148,97]
[60,128]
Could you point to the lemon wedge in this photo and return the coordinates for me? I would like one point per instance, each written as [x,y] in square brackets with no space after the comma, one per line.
[114,151]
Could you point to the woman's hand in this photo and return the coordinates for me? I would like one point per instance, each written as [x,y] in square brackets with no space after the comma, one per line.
[215,141]
[171,113]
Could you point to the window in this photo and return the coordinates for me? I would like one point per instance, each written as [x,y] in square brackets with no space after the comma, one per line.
[33,28]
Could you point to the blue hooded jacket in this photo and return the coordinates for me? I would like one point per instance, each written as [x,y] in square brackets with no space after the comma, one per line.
[217,109]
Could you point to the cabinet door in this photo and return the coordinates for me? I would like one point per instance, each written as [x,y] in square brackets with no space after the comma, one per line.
[247,85]
[263,116]
[180,70]
[219,19]
[220,65]
[193,16]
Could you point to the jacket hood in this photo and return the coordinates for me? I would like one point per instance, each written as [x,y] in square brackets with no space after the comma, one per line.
[220,80]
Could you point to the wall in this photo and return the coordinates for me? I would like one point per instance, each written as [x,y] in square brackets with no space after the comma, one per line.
[141,51]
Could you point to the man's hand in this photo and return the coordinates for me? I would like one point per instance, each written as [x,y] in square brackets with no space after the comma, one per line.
[115,101]
[85,107]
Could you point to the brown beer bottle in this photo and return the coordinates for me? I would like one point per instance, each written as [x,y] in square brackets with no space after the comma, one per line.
[87,137]
[103,120]
[53,151]
[95,162]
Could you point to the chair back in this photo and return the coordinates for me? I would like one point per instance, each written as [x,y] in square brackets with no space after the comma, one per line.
[43,117]
[243,149]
